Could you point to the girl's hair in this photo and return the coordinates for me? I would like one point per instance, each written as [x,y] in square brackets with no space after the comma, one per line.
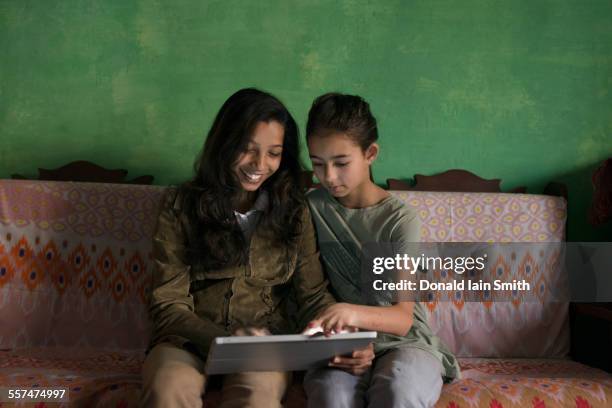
[215,238]
[349,114]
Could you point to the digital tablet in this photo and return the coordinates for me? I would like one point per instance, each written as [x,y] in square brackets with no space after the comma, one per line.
[280,352]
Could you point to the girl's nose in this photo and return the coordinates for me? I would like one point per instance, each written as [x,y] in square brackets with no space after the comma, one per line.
[330,174]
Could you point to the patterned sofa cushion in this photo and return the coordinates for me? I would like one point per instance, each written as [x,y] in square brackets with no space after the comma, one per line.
[112,379]
[75,263]
[93,377]
[499,329]
[522,383]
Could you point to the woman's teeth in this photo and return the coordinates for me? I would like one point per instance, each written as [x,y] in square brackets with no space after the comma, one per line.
[252,177]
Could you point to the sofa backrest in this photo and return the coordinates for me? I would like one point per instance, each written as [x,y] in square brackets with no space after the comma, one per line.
[75,263]
[75,266]
[512,328]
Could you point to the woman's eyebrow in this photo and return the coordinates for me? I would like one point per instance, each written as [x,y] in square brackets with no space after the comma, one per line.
[255,144]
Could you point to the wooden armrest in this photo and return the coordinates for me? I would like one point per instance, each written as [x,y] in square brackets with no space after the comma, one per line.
[556,189]
[600,311]
[82,170]
[451,180]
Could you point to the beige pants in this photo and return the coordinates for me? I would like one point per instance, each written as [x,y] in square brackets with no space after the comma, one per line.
[173,377]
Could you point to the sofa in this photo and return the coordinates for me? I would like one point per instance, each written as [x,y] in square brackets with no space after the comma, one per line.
[75,270]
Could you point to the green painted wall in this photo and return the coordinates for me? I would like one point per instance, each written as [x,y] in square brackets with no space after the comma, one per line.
[516,89]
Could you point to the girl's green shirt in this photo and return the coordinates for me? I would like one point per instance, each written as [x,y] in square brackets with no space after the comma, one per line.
[343,235]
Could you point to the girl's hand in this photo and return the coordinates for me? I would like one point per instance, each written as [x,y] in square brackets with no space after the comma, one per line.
[358,363]
[336,318]
[251,331]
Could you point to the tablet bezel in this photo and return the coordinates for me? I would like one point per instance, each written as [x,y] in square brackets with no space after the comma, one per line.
[280,352]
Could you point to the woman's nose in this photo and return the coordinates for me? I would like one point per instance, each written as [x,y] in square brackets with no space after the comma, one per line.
[258,161]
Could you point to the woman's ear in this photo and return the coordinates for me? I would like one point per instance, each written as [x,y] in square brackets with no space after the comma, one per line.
[371,153]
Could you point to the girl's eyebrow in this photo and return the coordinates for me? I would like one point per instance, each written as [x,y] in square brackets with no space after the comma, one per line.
[339,156]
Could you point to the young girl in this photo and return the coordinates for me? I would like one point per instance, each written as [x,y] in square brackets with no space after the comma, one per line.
[229,247]
[350,212]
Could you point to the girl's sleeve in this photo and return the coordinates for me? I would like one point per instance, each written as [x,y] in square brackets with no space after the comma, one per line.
[309,282]
[171,305]
[406,235]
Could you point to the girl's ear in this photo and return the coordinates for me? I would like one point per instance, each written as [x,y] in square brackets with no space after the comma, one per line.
[371,153]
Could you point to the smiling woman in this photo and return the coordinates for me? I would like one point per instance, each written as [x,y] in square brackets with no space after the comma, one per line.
[252,144]
[230,246]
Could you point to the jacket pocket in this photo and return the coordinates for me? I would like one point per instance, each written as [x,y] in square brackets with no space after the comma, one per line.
[199,273]
[272,268]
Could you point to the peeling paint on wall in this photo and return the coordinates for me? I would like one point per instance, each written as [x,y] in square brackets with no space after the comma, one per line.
[518,90]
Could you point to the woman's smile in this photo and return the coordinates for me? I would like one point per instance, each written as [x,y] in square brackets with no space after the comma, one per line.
[252,177]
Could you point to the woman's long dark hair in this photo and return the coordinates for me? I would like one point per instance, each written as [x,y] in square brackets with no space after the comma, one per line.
[216,240]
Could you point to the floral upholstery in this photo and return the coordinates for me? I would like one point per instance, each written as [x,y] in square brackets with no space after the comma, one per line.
[467,327]
[94,377]
[112,379]
[75,266]
[537,383]
[75,263]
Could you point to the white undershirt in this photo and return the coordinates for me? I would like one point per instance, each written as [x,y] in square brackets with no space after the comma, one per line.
[248,220]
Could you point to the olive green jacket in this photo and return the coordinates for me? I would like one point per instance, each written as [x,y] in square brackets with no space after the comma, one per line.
[190,306]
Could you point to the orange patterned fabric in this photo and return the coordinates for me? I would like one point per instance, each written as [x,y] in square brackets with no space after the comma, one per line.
[75,263]
[519,383]
[93,377]
[497,329]
[112,379]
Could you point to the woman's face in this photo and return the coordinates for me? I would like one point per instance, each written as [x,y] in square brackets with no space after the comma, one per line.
[262,156]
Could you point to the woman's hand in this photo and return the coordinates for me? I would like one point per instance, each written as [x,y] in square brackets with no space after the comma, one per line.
[358,363]
[337,317]
[251,331]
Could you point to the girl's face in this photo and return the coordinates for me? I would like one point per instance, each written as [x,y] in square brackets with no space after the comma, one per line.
[339,163]
[262,156]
